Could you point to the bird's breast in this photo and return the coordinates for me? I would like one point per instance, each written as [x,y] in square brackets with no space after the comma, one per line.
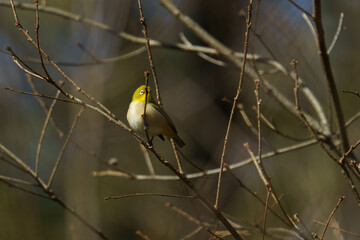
[157,124]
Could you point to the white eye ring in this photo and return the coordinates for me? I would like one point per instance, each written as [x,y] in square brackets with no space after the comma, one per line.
[142,92]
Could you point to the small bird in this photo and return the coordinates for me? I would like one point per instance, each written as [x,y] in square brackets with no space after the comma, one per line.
[157,121]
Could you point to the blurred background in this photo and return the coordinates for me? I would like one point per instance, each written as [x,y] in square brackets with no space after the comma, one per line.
[192,90]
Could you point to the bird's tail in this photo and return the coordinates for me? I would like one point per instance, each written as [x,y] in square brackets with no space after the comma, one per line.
[178,141]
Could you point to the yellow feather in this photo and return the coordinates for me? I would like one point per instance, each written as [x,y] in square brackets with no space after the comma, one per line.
[158,122]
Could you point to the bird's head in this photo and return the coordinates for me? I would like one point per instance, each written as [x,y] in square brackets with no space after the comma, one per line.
[140,93]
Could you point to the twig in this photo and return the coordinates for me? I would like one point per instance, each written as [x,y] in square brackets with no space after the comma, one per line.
[78,217]
[24,189]
[81,46]
[203,225]
[282,100]
[143,236]
[42,135]
[63,135]
[337,33]
[200,32]
[206,172]
[258,117]
[146,126]
[25,167]
[57,163]
[176,156]
[299,220]
[201,54]
[37,26]
[192,233]
[14,164]
[27,68]
[11,179]
[82,64]
[255,195]
[302,116]
[352,119]
[191,186]
[185,214]
[352,92]
[44,96]
[148,48]
[148,195]
[49,194]
[331,215]
[325,62]
[300,8]
[311,27]
[266,211]
[266,180]
[222,160]
[338,229]
[50,80]
[352,147]
[147,160]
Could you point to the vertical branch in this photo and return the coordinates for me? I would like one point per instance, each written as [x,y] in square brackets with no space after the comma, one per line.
[146,74]
[248,25]
[148,48]
[258,111]
[325,62]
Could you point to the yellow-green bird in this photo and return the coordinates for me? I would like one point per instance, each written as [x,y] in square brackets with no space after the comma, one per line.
[158,122]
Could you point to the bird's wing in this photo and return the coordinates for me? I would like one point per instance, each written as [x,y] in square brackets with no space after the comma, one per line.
[160,110]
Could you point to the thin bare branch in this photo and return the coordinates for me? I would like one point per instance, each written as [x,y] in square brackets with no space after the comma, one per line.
[352,92]
[148,49]
[148,195]
[337,33]
[338,229]
[266,180]
[176,156]
[42,135]
[330,217]
[266,212]
[255,195]
[303,118]
[57,163]
[352,147]
[201,54]
[192,233]
[330,80]
[143,236]
[222,159]
[299,220]
[311,27]
[206,172]
[147,160]
[352,119]
[24,189]
[81,46]
[300,8]
[15,180]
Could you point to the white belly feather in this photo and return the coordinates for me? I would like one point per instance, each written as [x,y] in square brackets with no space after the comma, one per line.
[155,120]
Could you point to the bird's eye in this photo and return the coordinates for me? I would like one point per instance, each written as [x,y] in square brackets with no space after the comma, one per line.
[142,92]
